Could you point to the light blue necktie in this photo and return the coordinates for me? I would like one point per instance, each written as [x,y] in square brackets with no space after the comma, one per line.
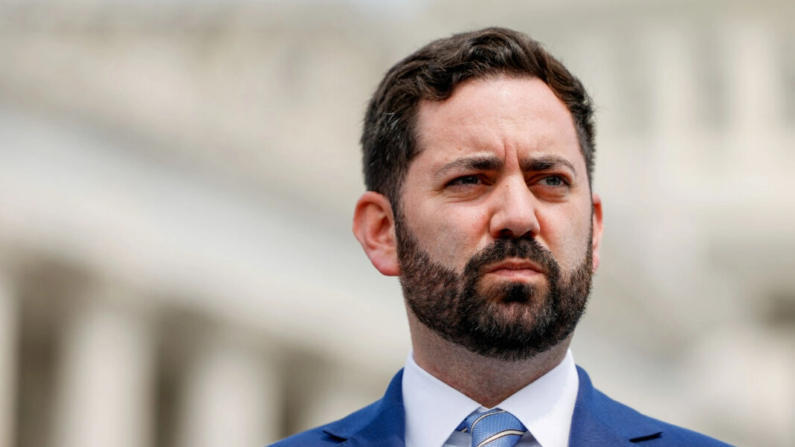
[494,428]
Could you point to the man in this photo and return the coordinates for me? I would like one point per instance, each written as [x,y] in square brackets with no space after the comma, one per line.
[478,160]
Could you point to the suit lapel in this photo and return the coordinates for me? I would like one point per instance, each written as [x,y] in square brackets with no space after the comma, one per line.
[386,430]
[599,421]
[588,430]
[381,424]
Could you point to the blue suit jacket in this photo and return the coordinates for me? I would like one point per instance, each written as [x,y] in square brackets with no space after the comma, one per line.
[598,421]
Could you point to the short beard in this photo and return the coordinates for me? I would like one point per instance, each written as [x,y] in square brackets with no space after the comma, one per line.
[509,322]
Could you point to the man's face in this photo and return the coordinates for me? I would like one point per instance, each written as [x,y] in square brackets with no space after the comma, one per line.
[496,230]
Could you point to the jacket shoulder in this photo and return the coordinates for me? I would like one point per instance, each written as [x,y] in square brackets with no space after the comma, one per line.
[326,435]
[617,414]
[315,437]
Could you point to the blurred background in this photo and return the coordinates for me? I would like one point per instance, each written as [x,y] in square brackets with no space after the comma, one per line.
[177,180]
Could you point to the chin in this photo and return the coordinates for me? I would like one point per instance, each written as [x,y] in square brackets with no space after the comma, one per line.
[516,292]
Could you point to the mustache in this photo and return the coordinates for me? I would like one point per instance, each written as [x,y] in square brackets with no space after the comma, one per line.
[502,249]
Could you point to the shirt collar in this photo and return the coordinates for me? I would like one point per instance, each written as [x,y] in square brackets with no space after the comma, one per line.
[434,409]
[546,406]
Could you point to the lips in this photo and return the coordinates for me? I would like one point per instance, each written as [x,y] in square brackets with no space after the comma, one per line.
[515,267]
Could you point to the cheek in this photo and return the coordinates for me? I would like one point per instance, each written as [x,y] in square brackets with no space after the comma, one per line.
[452,236]
[567,238]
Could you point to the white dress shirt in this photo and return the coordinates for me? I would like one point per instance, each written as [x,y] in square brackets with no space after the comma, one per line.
[434,409]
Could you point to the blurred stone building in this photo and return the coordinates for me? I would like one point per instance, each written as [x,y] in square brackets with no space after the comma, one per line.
[177,181]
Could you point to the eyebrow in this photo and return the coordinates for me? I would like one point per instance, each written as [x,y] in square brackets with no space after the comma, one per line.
[494,163]
[471,163]
[544,163]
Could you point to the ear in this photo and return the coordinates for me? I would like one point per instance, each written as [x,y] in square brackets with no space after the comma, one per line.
[374,227]
[597,229]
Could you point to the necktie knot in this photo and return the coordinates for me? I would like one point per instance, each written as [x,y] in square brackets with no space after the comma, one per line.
[493,428]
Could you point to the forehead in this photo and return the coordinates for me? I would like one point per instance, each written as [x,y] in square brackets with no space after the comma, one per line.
[499,115]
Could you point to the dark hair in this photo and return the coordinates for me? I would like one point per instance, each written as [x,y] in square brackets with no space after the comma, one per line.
[389,140]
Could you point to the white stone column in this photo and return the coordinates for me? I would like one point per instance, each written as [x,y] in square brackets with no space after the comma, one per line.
[668,51]
[232,397]
[754,84]
[9,327]
[106,387]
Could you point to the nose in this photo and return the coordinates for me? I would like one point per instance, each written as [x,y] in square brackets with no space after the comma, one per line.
[514,211]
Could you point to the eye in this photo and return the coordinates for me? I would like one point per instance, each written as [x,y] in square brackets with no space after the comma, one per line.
[554,180]
[465,180]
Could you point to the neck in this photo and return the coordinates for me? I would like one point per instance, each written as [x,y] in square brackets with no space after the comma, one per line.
[485,380]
